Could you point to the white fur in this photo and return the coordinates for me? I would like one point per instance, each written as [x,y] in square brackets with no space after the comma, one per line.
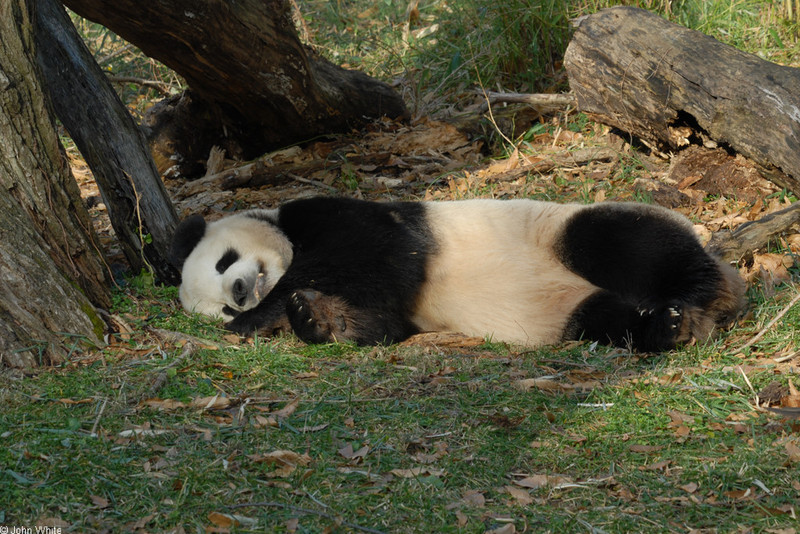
[261,247]
[495,273]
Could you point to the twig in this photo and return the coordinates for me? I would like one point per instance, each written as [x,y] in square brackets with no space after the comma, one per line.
[747,381]
[272,504]
[309,181]
[169,336]
[541,100]
[161,87]
[99,415]
[769,325]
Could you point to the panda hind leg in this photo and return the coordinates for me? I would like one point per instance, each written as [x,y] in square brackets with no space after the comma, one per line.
[319,318]
[610,318]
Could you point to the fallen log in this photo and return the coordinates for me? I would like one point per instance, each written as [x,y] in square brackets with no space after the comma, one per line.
[740,243]
[671,86]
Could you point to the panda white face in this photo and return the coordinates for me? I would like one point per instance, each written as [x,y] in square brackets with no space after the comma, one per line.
[235,264]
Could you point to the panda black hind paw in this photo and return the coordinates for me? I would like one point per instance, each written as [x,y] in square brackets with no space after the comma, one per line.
[317,318]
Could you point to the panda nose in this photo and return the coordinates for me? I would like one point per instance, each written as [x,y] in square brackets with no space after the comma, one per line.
[239,292]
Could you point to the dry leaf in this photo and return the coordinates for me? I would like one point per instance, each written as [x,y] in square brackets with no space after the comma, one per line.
[347,452]
[741,495]
[474,498]
[287,410]
[691,487]
[231,520]
[520,495]
[544,384]
[415,472]
[286,461]
[682,431]
[315,428]
[645,448]
[259,421]
[793,451]
[679,418]
[221,520]
[540,481]
[792,400]
[211,403]
[99,502]
[163,404]
[306,375]
[658,466]
[772,269]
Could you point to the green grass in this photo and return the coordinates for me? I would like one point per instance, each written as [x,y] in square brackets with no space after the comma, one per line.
[451,48]
[455,416]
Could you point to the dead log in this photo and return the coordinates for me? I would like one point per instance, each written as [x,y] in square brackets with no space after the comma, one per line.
[254,85]
[260,173]
[108,138]
[672,86]
[743,241]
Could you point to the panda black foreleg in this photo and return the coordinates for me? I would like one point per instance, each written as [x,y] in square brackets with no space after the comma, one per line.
[610,318]
[319,318]
[268,317]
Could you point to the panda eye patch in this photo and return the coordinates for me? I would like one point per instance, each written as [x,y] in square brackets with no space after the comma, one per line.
[229,258]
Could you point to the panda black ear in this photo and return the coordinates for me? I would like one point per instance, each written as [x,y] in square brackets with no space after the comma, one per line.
[187,235]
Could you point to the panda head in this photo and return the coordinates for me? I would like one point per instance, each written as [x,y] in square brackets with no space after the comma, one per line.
[228,266]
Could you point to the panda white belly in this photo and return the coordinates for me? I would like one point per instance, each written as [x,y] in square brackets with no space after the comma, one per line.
[494,272]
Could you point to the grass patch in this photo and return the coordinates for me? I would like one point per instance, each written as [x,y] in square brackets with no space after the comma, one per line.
[443,49]
[397,439]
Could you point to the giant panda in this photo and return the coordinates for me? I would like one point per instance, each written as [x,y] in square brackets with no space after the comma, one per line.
[519,271]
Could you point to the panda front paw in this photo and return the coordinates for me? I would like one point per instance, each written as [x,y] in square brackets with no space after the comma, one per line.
[246,323]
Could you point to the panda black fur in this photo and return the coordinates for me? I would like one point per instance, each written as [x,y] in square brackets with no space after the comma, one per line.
[520,271]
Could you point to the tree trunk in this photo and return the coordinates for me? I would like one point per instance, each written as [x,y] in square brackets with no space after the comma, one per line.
[52,272]
[254,86]
[671,86]
[113,145]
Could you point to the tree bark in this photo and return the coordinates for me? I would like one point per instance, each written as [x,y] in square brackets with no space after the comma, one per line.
[52,272]
[108,138]
[671,86]
[254,86]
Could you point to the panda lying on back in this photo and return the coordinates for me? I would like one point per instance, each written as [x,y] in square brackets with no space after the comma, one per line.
[520,271]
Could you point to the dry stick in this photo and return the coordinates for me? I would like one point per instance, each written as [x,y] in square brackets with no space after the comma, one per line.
[99,415]
[315,183]
[556,100]
[755,395]
[770,325]
[297,509]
